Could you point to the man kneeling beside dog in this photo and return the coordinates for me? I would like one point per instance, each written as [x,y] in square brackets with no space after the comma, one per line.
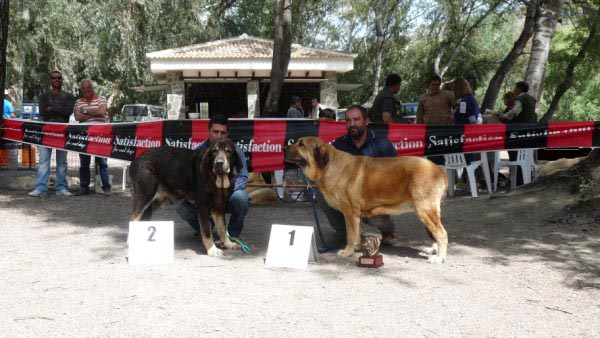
[372,188]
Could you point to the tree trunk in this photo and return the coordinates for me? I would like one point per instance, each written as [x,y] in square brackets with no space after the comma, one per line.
[544,32]
[4,15]
[464,35]
[282,50]
[570,72]
[380,14]
[491,94]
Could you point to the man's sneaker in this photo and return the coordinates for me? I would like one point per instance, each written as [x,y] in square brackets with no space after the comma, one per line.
[82,192]
[388,238]
[64,192]
[37,193]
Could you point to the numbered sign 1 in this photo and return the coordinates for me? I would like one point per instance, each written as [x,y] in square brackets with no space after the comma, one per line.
[150,242]
[291,246]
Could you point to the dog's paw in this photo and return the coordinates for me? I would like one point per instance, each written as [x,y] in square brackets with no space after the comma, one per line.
[431,250]
[214,251]
[345,253]
[231,245]
[436,260]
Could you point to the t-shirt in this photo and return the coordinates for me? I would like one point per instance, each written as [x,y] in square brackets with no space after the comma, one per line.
[467,107]
[436,109]
[293,112]
[8,108]
[97,102]
[61,103]
[384,102]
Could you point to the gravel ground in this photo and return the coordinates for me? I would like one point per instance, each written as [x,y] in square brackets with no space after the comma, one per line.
[515,268]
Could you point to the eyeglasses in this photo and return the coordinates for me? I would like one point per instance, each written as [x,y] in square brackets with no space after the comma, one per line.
[55,77]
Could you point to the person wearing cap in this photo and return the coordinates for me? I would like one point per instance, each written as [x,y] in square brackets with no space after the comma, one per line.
[9,111]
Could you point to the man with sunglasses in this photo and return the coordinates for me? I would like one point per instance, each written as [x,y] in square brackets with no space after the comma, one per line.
[56,105]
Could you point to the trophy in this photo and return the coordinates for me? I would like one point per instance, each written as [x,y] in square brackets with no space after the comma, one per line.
[370,247]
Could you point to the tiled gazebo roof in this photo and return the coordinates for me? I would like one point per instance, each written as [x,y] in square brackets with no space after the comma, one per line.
[242,47]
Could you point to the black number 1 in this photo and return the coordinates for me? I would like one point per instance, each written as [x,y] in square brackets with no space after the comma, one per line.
[152,230]
[292,234]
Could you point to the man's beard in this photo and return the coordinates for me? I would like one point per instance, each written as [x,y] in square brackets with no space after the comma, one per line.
[356,132]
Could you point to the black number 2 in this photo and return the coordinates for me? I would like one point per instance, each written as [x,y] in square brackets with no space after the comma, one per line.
[152,230]
[292,234]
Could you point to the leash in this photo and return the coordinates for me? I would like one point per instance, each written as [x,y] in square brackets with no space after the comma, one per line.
[245,247]
[313,203]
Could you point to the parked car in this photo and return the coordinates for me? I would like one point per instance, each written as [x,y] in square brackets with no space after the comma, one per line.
[409,112]
[140,112]
[30,110]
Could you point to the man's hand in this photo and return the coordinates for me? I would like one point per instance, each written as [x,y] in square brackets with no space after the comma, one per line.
[387,117]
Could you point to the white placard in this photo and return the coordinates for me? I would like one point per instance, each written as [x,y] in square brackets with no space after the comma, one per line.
[291,246]
[150,242]
[173,106]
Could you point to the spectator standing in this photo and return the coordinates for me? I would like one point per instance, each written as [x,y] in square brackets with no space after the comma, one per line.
[467,110]
[56,105]
[8,111]
[295,110]
[361,142]
[385,107]
[315,108]
[91,108]
[239,202]
[435,107]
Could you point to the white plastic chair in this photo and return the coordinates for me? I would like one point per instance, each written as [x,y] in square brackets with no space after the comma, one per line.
[457,163]
[124,178]
[524,159]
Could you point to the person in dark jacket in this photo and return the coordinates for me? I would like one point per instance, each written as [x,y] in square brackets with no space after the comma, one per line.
[56,105]
[386,109]
[362,142]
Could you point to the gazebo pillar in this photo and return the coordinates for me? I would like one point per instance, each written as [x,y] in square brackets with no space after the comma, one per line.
[253,99]
[175,94]
[329,91]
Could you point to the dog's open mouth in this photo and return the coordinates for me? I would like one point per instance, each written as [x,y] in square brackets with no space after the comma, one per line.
[298,161]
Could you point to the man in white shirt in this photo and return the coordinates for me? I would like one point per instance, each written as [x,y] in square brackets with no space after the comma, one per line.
[91,108]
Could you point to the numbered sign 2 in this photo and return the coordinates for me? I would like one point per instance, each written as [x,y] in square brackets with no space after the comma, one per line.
[150,242]
[291,246]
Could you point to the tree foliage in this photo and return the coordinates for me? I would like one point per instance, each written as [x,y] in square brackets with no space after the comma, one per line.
[106,41]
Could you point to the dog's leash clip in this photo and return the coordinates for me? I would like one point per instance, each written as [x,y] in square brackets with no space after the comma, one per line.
[245,247]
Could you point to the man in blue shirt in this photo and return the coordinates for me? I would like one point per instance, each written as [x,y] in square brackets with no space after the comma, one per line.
[362,142]
[8,111]
[239,202]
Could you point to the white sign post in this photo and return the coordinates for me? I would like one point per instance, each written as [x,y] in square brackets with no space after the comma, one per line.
[291,246]
[150,242]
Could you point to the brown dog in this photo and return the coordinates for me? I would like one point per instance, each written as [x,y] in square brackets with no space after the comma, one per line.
[202,177]
[360,186]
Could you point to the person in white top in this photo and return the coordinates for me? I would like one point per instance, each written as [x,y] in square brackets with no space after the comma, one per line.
[91,108]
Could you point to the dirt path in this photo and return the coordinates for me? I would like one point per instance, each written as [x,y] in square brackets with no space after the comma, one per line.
[510,272]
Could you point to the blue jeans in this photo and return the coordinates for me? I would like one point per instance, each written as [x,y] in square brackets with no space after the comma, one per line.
[237,205]
[43,173]
[85,176]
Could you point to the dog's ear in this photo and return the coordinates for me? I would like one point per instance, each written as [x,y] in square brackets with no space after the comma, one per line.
[321,156]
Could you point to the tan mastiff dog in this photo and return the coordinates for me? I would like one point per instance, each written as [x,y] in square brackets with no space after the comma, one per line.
[361,186]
